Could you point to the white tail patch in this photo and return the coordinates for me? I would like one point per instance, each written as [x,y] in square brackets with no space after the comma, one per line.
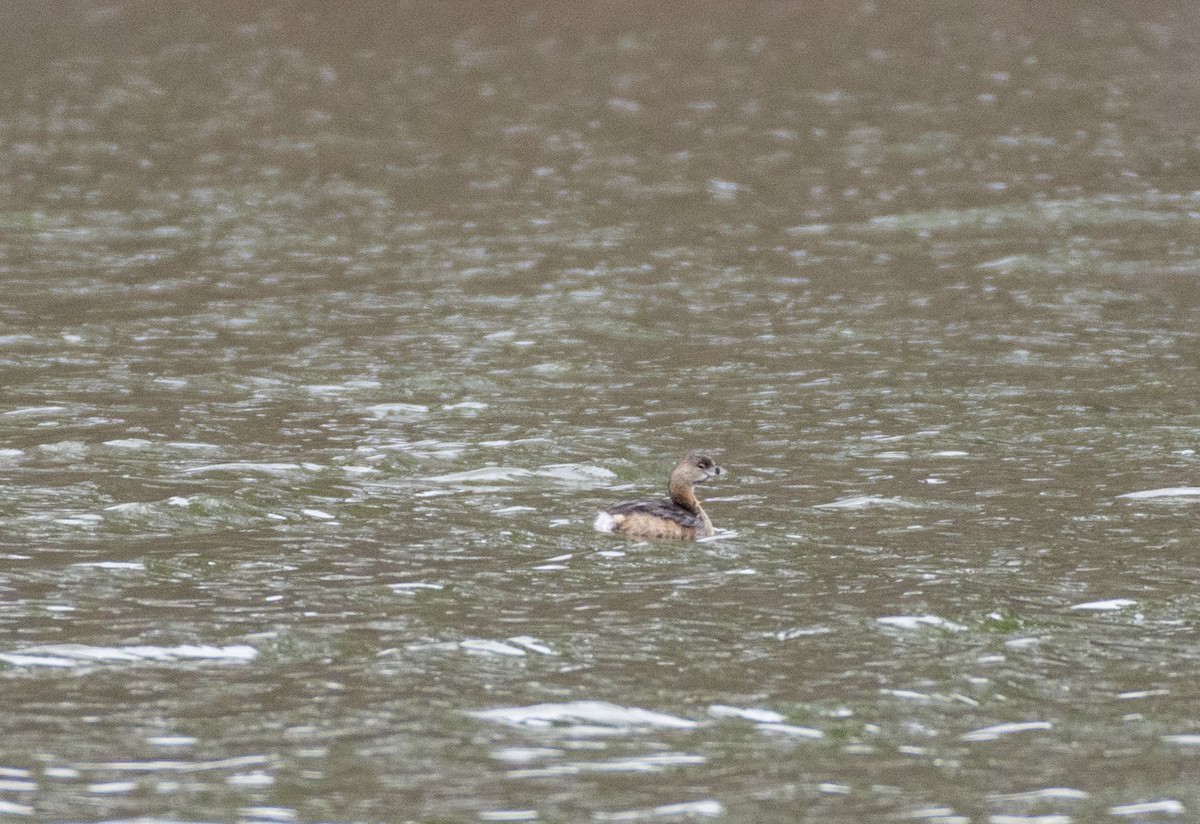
[603,522]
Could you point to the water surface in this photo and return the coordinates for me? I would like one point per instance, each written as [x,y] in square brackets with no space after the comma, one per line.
[325,334]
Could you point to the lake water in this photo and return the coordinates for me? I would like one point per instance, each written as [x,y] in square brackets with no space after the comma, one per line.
[326,330]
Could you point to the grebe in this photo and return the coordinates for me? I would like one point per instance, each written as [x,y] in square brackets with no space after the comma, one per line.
[681,518]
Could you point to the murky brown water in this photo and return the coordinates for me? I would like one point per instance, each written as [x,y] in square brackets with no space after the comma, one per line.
[325,332]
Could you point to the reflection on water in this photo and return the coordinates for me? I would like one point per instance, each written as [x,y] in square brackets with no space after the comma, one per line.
[325,334]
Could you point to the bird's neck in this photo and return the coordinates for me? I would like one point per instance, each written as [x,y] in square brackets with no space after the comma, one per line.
[685,495]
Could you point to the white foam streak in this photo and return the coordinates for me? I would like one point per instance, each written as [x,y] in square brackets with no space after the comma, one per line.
[72,655]
[589,716]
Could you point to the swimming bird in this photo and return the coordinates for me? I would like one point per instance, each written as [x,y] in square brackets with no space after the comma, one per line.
[679,518]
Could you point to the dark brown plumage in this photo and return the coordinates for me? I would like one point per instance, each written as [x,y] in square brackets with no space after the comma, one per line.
[679,518]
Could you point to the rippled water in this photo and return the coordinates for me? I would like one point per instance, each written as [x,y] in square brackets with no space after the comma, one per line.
[326,332]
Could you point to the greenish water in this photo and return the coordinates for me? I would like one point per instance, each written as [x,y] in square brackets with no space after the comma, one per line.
[326,333]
